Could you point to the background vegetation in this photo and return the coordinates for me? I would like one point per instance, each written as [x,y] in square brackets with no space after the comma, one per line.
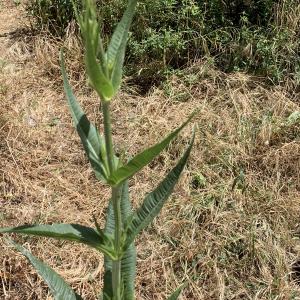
[261,37]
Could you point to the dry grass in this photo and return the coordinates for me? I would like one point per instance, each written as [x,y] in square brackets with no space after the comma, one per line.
[231,227]
[287,15]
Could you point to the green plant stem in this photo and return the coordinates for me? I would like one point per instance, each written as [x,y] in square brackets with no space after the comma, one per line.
[116,265]
[108,136]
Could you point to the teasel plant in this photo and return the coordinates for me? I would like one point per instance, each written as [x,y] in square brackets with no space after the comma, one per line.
[116,240]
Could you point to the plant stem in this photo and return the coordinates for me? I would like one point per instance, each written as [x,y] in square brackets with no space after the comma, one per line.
[108,136]
[116,265]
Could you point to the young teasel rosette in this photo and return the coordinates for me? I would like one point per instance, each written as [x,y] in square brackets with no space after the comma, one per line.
[116,240]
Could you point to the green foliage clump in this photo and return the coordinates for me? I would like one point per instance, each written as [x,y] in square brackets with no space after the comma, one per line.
[51,15]
[258,36]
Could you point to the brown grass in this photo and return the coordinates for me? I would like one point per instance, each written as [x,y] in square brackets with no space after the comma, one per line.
[231,227]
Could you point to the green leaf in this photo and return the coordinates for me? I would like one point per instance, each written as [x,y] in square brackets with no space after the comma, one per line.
[128,262]
[93,143]
[69,232]
[59,288]
[154,201]
[91,36]
[143,158]
[117,45]
[176,294]
[97,79]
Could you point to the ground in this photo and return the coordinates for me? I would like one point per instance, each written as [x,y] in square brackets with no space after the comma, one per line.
[230,230]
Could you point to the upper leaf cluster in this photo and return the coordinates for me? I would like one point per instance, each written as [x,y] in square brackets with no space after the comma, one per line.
[104,69]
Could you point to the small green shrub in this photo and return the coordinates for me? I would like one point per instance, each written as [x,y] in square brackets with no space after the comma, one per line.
[261,37]
[51,15]
[273,53]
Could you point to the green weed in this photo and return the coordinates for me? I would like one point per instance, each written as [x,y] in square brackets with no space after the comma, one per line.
[116,239]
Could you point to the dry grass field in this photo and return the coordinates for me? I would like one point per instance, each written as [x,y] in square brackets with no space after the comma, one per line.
[231,229]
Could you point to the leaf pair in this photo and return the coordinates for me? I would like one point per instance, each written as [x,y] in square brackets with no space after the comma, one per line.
[60,289]
[94,143]
[128,261]
[104,76]
[134,223]
[71,232]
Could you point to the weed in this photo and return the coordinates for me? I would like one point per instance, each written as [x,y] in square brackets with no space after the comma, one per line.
[116,240]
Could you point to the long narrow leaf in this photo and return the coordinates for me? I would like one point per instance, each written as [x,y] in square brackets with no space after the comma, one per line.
[128,263]
[69,232]
[117,45]
[143,158]
[121,32]
[58,287]
[97,78]
[93,143]
[154,201]
[91,36]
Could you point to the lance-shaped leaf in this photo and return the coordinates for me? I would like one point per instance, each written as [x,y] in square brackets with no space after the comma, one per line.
[176,294]
[93,143]
[97,79]
[128,262]
[117,45]
[154,201]
[68,232]
[58,287]
[91,36]
[143,158]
